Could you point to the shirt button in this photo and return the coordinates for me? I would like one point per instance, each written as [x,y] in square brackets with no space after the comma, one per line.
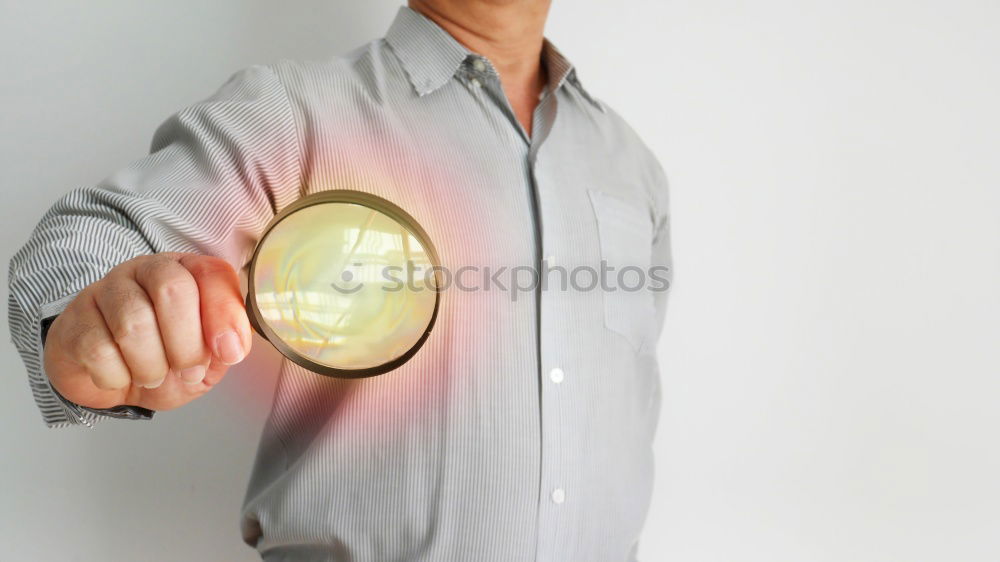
[550,261]
[558,495]
[479,65]
[557,375]
[475,83]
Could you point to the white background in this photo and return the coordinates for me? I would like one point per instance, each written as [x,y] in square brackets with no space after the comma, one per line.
[831,359]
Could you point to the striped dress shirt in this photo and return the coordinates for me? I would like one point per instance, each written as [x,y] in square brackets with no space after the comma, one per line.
[522,429]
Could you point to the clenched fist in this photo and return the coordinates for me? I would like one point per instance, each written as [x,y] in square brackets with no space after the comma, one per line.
[157,331]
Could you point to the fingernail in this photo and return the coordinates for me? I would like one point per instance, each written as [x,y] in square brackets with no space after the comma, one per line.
[228,348]
[152,385]
[193,375]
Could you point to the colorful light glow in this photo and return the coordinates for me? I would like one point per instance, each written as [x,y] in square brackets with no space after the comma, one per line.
[341,284]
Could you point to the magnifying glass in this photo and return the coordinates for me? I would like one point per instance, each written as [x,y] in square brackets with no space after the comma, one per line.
[344,283]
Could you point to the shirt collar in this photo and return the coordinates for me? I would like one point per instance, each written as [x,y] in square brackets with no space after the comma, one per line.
[561,70]
[431,56]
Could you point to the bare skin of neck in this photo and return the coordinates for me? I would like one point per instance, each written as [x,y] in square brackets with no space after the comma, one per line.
[509,33]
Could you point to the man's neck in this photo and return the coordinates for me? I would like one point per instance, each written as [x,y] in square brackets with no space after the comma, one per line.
[510,33]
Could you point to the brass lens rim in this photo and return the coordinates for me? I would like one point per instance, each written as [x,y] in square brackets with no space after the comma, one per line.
[375,203]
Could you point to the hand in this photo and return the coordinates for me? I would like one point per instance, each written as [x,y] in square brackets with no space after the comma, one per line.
[157,331]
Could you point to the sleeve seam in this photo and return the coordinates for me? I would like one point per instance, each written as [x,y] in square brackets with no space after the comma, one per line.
[296,129]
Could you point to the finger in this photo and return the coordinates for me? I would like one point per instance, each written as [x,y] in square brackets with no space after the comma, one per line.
[131,320]
[226,328]
[174,294]
[89,344]
[216,371]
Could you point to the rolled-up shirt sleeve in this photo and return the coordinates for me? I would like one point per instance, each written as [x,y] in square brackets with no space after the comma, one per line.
[217,172]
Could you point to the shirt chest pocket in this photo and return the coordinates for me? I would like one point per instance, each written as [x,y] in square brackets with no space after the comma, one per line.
[626,234]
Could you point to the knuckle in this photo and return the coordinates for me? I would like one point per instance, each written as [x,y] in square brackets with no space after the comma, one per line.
[115,294]
[153,262]
[105,382]
[86,295]
[78,339]
[97,353]
[207,266]
[146,267]
[178,289]
[160,275]
[133,325]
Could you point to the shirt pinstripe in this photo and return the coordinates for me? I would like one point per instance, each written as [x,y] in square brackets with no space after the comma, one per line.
[522,430]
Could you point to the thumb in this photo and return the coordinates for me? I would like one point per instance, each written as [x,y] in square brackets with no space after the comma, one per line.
[224,321]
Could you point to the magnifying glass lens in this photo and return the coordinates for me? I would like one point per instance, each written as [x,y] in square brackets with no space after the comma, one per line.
[344,288]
